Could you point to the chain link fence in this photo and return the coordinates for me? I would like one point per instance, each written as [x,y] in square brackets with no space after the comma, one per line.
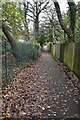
[16,58]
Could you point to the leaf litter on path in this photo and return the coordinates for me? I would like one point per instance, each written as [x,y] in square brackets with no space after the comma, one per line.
[38,89]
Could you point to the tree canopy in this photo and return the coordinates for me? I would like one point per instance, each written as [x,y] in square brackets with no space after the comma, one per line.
[17,17]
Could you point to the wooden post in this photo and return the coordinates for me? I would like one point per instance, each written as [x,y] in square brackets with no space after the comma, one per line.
[5,62]
[79,17]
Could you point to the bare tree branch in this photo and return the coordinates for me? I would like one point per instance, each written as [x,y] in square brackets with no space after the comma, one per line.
[43,7]
[31,16]
[32,6]
[68,31]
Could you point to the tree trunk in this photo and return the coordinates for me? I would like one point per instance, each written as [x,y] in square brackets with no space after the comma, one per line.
[68,31]
[79,19]
[8,35]
[72,14]
[37,27]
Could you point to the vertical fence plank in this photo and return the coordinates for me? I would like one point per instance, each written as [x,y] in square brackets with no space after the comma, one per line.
[5,62]
[69,54]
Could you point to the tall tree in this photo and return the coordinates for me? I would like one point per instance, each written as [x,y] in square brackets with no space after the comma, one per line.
[72,14]
[13,20]
[36,8]
[26,7]
[69,31]
[79,18]
[8,35]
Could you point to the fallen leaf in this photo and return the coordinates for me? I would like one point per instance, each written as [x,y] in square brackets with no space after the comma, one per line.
[48,106]
[43,108]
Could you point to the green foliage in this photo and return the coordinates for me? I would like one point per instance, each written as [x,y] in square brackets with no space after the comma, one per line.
[24,51]
[13,15]
[77,29]
[3,44]
[42,39]
[66,18]
[50,37]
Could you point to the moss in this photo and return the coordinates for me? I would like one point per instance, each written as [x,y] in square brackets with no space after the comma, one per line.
[69,55]
[53,50]
[76,65]
[57,50]
[62,48]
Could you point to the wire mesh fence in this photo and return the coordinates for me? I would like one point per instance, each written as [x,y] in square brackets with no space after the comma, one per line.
[16,58]
[0,78]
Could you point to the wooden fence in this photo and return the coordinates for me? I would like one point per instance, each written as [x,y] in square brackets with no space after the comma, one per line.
[68,53]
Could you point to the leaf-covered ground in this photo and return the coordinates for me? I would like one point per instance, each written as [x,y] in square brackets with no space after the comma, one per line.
[13,67]
[41,91]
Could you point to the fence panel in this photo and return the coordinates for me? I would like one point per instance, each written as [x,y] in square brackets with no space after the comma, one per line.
[17,58]
[69,54]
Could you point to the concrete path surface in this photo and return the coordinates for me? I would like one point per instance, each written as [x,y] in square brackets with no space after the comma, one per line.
[41,91]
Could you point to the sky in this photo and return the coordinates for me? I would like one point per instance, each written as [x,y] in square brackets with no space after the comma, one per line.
[63,5]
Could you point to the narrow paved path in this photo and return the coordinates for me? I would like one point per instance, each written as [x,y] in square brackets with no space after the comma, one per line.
[41,91]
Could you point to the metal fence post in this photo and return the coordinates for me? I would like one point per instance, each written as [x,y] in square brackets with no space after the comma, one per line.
[5,62]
